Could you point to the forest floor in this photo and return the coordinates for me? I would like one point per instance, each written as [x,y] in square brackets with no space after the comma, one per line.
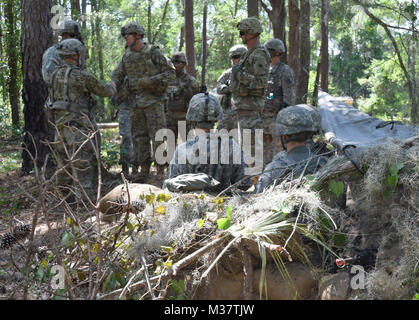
[18,205]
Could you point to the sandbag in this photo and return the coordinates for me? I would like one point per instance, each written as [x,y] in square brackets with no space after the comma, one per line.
[191,182]
[119,194]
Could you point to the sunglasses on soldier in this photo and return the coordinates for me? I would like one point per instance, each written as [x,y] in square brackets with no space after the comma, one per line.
[235,57]
[242,33]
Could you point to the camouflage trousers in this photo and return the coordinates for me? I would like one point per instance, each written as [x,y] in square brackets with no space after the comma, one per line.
[73,132]
[172,118]
[271,142]
[228,120]
[126,147]
[145,122]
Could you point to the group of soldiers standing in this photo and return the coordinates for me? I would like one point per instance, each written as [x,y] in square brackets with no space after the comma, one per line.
[153,92]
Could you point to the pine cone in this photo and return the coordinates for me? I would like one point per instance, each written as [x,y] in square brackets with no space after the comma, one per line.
[10,238]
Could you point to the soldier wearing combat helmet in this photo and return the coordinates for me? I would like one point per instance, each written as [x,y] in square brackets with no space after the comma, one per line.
[74,117]
[294,125]
[228,120]
[69,29]
[146,72]
[279,94]
[203,112]
[250,78]
[179,93]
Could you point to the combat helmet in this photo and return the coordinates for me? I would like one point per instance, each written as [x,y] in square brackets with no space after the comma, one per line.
[69,47]
[315,115]
[69,26]
[204,109]
[179,57]
[250,25]
[132,27]
[274,45]
[237,50]
[293,120]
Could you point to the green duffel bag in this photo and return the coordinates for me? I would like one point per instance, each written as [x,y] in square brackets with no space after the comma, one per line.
[191,182]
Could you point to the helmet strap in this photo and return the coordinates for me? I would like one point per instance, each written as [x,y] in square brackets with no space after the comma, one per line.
[283,141]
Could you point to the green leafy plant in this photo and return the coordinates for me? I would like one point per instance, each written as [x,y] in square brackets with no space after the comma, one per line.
[224,223]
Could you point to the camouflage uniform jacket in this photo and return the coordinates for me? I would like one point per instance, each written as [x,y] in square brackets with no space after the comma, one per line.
[281,85]
[224,89]
[226,173]
[51,60]
[146,73]
[250,76]
[289,165]
[75,96]
[180,91]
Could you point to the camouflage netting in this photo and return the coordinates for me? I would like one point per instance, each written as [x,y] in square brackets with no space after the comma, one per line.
[385,217]
[381,219]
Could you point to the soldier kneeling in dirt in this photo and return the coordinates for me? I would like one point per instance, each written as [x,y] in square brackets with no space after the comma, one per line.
[206,153]
[74,118]
[295,125]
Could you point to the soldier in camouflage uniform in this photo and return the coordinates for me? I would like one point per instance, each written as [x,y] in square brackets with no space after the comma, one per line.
[126,148]
[249,79]
[294,125]
[228,120]
[69,29]
[146,72]
[179,92]
[279,94]
[72,106]
[204,110]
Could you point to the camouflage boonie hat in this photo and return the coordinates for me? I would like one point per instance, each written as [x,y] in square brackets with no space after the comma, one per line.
[275,45]
[132,27]
[237,50]
[250,25]
[69,26]
[315,115]
[179,57]
[203,108]
[68,47]
[294,119]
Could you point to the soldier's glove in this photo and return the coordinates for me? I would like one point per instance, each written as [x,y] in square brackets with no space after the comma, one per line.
[235,70]
[112,85]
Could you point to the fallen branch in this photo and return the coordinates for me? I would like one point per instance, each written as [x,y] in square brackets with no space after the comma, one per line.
[173,270]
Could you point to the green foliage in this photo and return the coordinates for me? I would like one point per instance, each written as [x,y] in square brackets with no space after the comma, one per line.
[178,288]
[391,179]
[336,187]
[224,223]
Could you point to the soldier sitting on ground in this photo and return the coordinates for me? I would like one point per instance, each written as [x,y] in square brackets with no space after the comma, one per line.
[295,126]
[225,166]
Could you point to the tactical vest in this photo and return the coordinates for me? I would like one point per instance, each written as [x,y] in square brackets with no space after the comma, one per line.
[274,91]
[238,88]
[61,100]
[140,64]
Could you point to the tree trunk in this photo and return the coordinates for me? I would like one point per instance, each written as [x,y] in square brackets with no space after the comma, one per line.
[2,80]
[204,44]
[316,84]
[410,78]
[253,8]
[190,38]
[12,45]
[294,39]
[304,73]
[278,17]
[84,12]
[324,49]
[99,44]
[150,2]
[75,9]
[36,37]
